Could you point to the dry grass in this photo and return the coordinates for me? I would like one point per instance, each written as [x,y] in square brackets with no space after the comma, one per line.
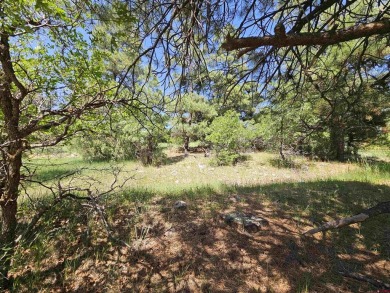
[195,171]
[194,250]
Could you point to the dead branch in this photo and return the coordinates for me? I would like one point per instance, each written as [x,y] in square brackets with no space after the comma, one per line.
[380,208]
[63,189]
[360,277]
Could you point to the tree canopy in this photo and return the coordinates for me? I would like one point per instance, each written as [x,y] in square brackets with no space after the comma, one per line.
[276,38]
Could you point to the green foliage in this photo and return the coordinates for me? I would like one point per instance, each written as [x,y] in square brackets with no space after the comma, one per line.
[193,114]
[334,113]
[127,133]
[124,139]
[106,146]
[280,163]
[228,136]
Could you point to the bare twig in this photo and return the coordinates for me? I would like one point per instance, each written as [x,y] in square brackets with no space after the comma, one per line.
[363,278]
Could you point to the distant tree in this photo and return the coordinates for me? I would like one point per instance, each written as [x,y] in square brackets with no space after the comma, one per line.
[345,102]
[127,132]
[278,124]
[228,137]
[330,118]
[192,115]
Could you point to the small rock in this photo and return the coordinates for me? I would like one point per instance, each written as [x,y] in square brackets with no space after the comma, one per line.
[251,226]
[248,222]
[180,205]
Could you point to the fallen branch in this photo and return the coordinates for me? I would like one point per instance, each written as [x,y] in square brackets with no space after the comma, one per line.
[360,277]
[380,208]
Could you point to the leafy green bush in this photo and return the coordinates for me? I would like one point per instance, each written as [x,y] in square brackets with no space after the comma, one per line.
[125,140]
[105,147]
[228,136]
[288,163]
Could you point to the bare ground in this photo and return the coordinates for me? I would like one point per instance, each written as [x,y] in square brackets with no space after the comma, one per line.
[196,251]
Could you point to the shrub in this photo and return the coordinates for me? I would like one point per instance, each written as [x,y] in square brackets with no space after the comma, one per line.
[228,136]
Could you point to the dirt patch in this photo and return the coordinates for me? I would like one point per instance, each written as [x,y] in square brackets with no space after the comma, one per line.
[194,249]
[186,251]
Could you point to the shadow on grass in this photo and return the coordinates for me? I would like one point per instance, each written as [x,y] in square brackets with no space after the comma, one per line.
[48,171]
[318,202]
[278,258]
[374,163]
[194,250]
[172,160]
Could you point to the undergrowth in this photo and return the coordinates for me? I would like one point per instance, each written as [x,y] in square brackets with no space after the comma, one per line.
[70,249]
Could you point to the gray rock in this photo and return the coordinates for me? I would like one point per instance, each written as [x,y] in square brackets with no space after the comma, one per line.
[248,222]
[180,205]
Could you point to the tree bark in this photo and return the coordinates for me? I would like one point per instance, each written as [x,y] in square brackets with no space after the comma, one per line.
[381,27]
[12,159]
[337,142]
[281,146]
[150,151]
[186,145]
[186,136]
[7,241]
[8,203]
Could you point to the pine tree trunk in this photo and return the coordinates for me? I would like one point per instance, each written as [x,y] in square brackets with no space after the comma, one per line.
[186,145]
[187,137]
[150,151]
[281,146]
[337,141]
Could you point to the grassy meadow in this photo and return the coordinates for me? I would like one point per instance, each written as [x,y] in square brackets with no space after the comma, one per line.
[162,249]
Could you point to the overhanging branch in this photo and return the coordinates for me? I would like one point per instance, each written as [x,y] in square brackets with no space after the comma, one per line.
[308,39]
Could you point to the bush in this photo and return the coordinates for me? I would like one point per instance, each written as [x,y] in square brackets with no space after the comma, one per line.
[124,141]
[149,152]
[228,136]
[105,147]
[288,163]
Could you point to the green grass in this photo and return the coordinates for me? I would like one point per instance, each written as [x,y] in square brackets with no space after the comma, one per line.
[378,153]
[70,242]
[195,172]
